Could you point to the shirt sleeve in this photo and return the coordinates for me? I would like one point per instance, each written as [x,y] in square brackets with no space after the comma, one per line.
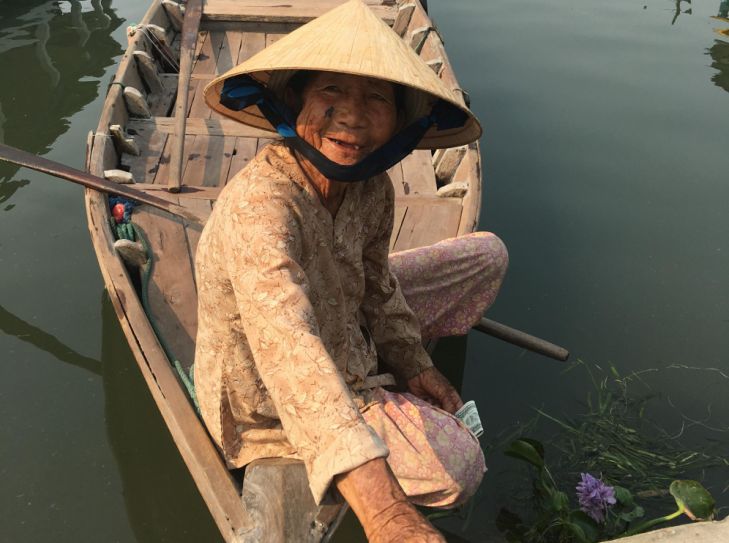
[262,251]
[393,326]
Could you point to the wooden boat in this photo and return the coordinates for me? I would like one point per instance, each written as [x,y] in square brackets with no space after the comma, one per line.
[438,196]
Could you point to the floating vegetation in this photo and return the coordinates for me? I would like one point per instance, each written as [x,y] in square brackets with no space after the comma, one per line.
[619,456]
[605,512]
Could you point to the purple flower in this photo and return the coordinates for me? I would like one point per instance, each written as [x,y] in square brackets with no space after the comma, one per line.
[595,496]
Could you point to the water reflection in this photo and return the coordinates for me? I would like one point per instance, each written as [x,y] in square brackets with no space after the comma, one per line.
[15,326]
[724,9]
[152,473]
[61,51]
[719,52]
[161,499]
[8,188]
[677,10]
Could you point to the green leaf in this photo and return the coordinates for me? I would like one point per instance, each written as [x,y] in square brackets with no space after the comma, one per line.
[560,501]
[589,528]
[536,444]
[524,450]
[623,496]
[510,524]
[635,514]
[697,502]
[578,531]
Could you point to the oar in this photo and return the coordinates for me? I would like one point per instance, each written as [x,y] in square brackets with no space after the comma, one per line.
[28,160]
[190,26]
[521,339]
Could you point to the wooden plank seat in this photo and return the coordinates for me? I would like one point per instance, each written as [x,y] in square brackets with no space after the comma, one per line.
[276,492]
[292,11]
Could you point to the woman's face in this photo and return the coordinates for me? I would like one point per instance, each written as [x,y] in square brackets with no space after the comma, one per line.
[346,117]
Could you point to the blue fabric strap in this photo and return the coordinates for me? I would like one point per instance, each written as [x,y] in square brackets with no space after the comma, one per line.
[243,91]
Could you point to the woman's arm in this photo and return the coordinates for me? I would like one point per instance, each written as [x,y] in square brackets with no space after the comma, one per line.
[381,506]
[262,251]
[393,325]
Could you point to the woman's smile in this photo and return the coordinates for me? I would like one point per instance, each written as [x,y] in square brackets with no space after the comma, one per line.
[346,117]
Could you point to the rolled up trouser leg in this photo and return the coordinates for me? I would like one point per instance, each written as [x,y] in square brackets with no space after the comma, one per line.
[435,458]
[450,284]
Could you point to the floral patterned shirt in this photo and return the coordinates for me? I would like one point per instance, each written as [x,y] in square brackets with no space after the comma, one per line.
[294,307]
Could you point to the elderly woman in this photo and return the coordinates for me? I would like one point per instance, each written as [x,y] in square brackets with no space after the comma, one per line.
[297,299]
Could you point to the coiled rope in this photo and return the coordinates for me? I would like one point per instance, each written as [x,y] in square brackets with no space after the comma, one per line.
[126,229]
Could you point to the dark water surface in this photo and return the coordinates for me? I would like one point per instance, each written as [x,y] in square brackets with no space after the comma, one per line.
[605,168]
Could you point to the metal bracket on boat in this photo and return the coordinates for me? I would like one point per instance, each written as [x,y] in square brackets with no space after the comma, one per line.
[136,103]
[402,19]
[436,65]
[453,190]
[148,70]
[175,12]
[158,32]
[446,162]
[132,252]
[466,96]
[125,143]
[158,44]
[418,37]
[119,176]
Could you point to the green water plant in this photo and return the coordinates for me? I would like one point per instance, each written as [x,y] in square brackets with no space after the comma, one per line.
[692,499]
[616,435]
[603,511]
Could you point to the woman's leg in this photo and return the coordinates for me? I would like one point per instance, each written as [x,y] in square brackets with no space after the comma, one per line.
[435,458]
[450,284]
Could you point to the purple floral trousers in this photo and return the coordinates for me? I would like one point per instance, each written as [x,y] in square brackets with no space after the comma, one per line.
[436,459]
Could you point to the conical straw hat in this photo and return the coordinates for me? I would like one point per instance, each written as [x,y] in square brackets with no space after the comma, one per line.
[349,39]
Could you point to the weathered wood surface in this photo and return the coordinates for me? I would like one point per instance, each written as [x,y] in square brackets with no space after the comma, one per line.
[200,126]
[695,532]
[273,11]
[188,41]
[402,19]
[428,222]
[277,496]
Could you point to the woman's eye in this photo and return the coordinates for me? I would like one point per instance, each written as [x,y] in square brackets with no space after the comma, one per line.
[331,88]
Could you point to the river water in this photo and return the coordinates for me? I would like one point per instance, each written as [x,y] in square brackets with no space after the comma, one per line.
[605,170]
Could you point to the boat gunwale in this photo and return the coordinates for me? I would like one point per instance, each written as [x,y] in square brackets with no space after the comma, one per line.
[214,481]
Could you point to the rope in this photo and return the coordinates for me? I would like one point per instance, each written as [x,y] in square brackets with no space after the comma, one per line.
[155,43]
[126,229]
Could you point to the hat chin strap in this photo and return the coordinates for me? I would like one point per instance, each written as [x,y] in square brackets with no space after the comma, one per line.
[243,91]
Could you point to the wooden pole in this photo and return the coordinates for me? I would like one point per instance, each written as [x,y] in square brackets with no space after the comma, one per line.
[190,26]
[56,169]
[521,339]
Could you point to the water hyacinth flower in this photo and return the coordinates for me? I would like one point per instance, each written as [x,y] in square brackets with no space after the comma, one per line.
[595,496]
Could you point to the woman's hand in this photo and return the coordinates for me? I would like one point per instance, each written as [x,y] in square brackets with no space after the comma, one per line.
[381,506]
[432,386]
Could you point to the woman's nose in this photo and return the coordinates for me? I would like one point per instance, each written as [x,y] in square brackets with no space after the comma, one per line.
[351,111]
